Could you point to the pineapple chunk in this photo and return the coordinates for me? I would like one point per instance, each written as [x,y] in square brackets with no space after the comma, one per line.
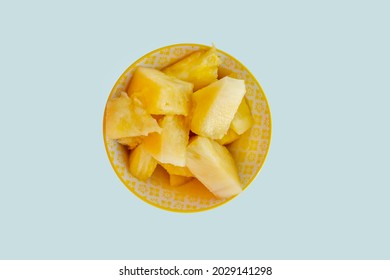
[130,142]
[228,138]
[161,94]
[126,117]
[214,107]
[223,72]
[177,170]
[177,180]
[199,68]
[243,119]
[170,145]
[141,163]
[213,165]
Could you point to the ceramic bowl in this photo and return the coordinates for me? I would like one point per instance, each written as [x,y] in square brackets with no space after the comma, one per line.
[249,151]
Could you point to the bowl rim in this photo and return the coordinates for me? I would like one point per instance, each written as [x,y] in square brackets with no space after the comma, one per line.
[106,145]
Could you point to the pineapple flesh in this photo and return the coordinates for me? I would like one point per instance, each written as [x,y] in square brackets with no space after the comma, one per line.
[141,163]
[161,94]
[228,138]
[243,119]
[130,142]
[126,117]
[177,180]
[214,107]
[199,68]
[169,146]
[213,165]
[177,170]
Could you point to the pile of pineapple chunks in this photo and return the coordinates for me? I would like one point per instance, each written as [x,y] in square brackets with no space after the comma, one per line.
[181,117]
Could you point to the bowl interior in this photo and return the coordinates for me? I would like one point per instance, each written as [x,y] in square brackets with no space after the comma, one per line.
[249,151]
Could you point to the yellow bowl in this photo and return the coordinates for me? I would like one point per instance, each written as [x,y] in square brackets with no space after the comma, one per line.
[249,151]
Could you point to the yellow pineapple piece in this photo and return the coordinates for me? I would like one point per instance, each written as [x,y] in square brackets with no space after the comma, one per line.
[223,72]
[141,163]
[169,146]
[130,142]
[228,138]
[214,107]
[199,68]
[213,165]
[243,119]
[126,117]
[177,180]
[161,94]
[177,170]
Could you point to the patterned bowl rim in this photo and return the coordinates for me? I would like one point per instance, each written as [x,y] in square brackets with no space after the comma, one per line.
[134,64]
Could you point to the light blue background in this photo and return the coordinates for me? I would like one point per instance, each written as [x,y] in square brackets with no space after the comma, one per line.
[324,190]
